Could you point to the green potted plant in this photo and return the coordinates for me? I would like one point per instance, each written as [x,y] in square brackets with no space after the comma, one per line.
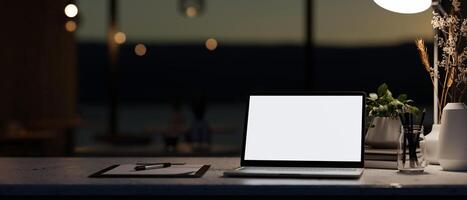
[383,116]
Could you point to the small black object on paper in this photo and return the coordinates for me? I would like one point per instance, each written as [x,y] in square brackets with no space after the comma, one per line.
[154,166]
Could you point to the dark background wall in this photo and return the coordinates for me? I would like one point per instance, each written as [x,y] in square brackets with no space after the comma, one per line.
[37,64]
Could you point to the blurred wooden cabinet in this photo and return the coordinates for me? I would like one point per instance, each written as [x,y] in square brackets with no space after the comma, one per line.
[39,143]
[39,138]
[37,74]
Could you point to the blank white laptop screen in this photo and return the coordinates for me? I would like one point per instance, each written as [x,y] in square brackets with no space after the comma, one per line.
[304,128]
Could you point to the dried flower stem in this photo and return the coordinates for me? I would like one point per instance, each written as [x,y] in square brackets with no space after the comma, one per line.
[448,81]
[422,50]
[451,36]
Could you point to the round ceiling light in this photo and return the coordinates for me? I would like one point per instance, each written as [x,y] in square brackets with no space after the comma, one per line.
[404,6]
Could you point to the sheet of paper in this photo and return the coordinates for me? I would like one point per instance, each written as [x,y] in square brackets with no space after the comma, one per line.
[129,169]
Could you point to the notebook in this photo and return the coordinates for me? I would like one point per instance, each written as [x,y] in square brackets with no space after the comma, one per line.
[175,171]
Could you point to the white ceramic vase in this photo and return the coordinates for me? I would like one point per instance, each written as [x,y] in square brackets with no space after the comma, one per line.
[452,152]
[384,134]
[432,143]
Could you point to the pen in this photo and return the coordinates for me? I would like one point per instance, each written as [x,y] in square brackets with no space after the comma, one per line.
[404,145]
[157,166]
[156,163]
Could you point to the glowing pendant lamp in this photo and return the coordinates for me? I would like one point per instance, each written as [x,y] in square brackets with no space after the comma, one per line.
[405,6]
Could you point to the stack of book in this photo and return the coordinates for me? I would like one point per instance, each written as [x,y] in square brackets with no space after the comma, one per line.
[380,158]
[384,158]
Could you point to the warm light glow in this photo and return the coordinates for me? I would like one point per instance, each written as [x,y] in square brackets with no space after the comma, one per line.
[70,26]
[191,12]
[71,10]
[404,6]
[140,49]
[211,44]
[120,37]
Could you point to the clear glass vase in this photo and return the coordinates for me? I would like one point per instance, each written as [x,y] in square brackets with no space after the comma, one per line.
[411,150]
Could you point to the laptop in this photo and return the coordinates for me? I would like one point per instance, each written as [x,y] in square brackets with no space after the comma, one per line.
[303,135]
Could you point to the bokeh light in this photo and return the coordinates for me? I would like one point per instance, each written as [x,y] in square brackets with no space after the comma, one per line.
[71,26]
[211,44]
[140,49]
[120,37]
[71,10]
[191,12]
[191,8]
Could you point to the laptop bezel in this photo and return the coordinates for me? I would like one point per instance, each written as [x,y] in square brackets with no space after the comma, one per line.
[292,163]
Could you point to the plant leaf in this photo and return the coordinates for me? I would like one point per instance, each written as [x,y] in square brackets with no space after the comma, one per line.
[402,97]
[383,104]
[396,103]
[413,109]
[389,94]
[382,89]
[373,96]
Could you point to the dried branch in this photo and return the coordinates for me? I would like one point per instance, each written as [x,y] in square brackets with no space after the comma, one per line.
[422,50]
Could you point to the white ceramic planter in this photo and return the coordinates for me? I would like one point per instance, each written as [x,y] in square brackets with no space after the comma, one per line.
[432,142]
[384,134]
[453,138]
